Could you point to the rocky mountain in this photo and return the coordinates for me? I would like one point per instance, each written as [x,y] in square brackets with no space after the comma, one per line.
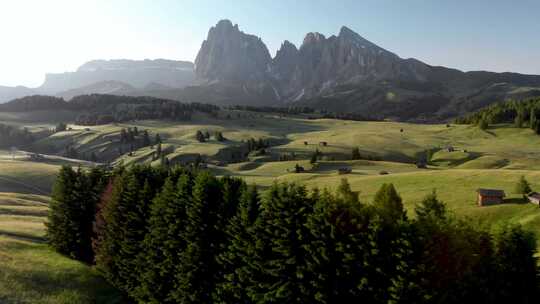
[345,73]
[340,73]
[176,74]
[103,87]
[9,93]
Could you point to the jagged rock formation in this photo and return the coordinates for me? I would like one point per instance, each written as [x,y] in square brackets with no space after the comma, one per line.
[346,73]
[231,55]
[343,73]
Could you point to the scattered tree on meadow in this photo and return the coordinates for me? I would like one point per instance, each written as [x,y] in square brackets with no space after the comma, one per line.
[523,186]
[60,127]
[200,136]
[356,154]
[219,136]
[146,139]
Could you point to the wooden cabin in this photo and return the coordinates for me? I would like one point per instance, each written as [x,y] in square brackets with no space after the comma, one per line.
[488,197]
[534,198]
[344,170]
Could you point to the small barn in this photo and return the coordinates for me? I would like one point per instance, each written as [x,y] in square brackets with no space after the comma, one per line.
[344,170]
[534,198]
[488,197]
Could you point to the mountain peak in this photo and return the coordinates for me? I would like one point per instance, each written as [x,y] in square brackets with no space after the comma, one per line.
[287,45]
[314,37]
[226,23]
[230,54]
[347,32]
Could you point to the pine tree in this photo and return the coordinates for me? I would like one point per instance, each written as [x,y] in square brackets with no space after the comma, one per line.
[431,207]
[520,117]
[286,209]
[71,213]
[197,273]
[158,150]
[356,153]
[162,244]
[200,136]
[322,261]
[388,202]
[523,186]
[483,124]
[532,118]
[62,232]
[238,257]
[314,157]
[124,225]
[219,136]
[515,258]
[146,139]
[345,193]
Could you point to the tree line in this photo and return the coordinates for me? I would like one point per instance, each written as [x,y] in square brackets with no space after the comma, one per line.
[522,113]
[103,109]
[165,235]
[11,136]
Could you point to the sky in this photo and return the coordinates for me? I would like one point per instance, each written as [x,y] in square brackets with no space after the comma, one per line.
[38,37]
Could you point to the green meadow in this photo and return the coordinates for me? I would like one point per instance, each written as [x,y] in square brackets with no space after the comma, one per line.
[494,158]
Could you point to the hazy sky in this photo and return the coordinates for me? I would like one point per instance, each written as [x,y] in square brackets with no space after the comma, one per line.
[59,35]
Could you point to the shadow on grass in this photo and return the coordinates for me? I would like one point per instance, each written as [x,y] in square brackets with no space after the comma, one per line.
[23,236]
[516,201]
[36,274]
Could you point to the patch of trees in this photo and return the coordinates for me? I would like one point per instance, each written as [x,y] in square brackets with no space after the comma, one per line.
[34,103]
[356,155]
[349,116]
[60,127]
[257,144]
[305,110]
[522,113]
[11,136]
[178,236]
[280,110]
[103,109]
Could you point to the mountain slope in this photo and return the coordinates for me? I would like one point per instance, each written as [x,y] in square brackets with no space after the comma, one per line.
[346,73]
[9,93]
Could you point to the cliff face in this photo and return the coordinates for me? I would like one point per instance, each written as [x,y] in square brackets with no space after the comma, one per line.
[231,55]
[176,74]
[345,73]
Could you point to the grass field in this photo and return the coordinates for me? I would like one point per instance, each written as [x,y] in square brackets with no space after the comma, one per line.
[494,158]
[30,272]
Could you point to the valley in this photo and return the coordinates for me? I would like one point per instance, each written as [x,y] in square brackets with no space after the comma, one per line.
[323,169]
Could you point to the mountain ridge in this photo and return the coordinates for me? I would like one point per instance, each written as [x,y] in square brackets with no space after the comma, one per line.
[341,73]
[348,73]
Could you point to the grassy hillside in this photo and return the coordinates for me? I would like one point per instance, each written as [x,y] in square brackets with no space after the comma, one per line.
[494,158]
[31,271]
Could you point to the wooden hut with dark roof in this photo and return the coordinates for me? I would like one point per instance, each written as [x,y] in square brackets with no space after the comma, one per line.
[488,197]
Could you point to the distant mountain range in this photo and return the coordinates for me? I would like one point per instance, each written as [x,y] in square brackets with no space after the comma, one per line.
[343,73]
[111,77]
